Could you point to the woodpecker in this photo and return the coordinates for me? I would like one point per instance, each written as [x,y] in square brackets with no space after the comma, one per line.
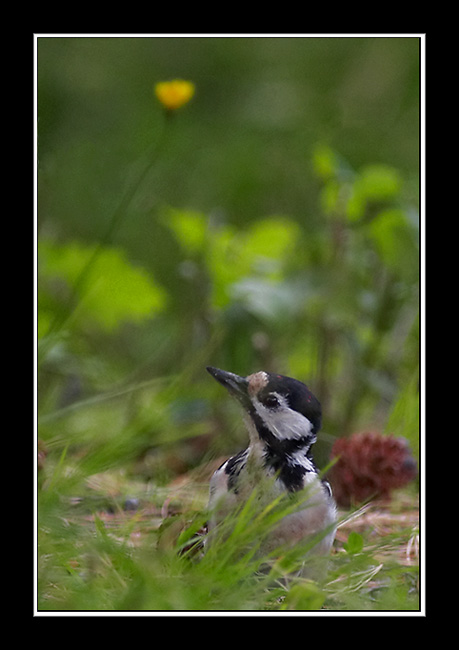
[283,418]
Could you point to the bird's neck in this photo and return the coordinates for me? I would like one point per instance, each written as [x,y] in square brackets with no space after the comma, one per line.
[291,458]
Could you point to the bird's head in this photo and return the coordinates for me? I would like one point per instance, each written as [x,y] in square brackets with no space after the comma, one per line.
[285,415]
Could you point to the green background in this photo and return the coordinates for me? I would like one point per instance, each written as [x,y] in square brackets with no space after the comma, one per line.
[276,228]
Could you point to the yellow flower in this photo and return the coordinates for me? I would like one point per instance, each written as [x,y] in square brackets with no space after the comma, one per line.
[174,94]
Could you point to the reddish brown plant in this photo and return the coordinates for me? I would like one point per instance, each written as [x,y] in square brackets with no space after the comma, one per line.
[369,465]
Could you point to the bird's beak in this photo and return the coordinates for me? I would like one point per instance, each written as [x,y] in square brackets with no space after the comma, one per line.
[237,386]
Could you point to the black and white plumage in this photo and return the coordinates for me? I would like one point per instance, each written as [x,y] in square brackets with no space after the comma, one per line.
[283,418]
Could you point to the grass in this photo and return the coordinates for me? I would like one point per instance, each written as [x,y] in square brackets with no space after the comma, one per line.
[100,551]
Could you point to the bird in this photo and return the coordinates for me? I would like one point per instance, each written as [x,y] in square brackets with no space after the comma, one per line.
[283,418]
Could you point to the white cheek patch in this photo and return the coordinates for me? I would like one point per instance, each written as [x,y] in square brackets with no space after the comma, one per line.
[283,422]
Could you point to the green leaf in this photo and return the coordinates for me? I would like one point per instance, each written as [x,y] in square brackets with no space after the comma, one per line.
[395,241]
[305,596]
[231,256]
[273,238]
[375,183]
[354,543]
[226,263]
[324,162]
[190,229]
[330,196]
[110,290]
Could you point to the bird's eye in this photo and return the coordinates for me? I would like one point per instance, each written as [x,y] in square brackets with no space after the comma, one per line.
[271,401]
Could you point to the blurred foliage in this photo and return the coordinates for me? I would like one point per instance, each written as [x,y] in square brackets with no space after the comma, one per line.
[113,290]
[272,223]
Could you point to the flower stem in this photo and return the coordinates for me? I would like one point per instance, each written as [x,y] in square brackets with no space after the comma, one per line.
[64,314]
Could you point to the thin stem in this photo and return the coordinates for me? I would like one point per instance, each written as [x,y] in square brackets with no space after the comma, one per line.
[120,211]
